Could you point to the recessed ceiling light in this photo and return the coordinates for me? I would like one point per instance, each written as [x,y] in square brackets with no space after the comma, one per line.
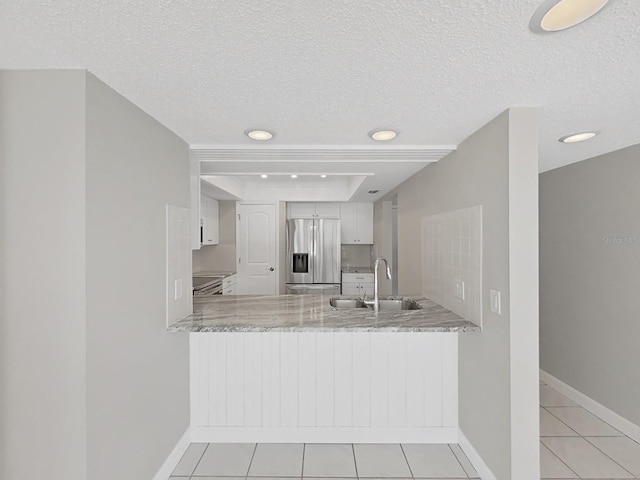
[264,176]
[294,176]
[260,135]
[556,15]
[382,135]
[577,137]
[373,192]
[323,176]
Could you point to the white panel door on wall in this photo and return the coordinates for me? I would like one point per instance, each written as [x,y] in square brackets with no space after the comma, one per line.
[257,249]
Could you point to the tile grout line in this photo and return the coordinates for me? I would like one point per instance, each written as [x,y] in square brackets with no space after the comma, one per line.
[406,460]
[562,421]
[607,455]
[199,460]
[542,445]
[458,460]
[253,454]
[353,450]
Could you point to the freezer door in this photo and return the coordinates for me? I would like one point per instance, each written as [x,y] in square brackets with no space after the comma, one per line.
[327,251]
[300,250]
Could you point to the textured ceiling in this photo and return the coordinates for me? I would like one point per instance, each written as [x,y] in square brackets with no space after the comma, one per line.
[320,72]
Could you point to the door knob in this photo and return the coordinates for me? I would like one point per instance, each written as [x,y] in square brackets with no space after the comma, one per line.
[271,269]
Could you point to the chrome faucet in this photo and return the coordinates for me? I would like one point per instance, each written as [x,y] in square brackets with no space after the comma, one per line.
[376,299]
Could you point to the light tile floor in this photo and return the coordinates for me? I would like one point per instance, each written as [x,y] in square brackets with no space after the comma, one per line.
[573,444]
[267,461]
[577,444]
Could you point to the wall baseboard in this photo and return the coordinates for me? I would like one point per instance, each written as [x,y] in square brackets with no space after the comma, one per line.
[474,457]
[324,435]
[612,418]
[174,457]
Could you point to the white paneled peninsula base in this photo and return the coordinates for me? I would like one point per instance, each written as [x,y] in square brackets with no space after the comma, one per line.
[319,375]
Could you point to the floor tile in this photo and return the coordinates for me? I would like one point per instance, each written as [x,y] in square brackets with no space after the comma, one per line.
[381,461]
[623,450]
[432,461]
[226,460]
[189,460]
[583,422]
[550,397]
[329,460]
[584,459]
[550,426]
[552,467]
[277,460]
[464,461]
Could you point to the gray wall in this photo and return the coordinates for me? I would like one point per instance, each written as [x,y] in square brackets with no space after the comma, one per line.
[502,360]
[137,373]
[92,385]
[42,313]
[589,266]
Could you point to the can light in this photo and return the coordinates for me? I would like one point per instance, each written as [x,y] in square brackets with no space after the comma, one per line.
[577,137]
[556,15]
[264,176]
[259,135]
[383,135]
[294,176]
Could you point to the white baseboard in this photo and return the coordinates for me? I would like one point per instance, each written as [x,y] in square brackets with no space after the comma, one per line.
[612,418]
[474,457]
[174,457]
[323,435]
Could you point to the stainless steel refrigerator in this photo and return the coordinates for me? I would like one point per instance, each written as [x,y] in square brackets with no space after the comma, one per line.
[313,256]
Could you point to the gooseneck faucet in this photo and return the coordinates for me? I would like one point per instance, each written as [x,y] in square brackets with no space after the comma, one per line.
[376,299]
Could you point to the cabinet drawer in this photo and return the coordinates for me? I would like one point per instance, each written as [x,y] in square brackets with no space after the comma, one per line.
[228,281]
[357,278]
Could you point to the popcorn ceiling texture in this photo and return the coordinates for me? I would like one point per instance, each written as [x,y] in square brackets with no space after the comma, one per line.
[327,72]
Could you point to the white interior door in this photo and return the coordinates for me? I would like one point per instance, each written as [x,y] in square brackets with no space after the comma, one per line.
[257,248]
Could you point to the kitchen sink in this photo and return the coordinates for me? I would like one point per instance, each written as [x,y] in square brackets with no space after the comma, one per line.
[398,304]
[386,304]
[347,303]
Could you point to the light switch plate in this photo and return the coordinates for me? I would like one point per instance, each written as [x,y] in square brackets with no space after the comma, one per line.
[494,301]
[458,289]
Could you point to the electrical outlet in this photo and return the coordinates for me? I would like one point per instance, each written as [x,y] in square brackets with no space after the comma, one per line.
[494,301]
[458,289]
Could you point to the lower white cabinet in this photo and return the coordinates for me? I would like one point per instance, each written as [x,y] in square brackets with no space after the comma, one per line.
[229,285]
[357,284]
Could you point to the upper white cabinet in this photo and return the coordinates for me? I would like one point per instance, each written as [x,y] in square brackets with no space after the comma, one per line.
[356,220]
[209,221]
[313,210]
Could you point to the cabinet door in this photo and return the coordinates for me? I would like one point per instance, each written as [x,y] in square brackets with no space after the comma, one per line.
[351,289]
[210,221]
[302,210]
[348,223]
[365,223]
[327,210]
[366,288]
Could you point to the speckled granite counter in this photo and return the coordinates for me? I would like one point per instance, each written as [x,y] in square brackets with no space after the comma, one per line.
[312,313]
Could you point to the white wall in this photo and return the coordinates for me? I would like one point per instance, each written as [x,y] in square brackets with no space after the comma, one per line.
[589,264]
[92,384]
[137,373]
[496,167]
[42,313]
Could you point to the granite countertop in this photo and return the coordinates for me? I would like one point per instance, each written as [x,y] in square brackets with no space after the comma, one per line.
[357,270]
[212,273]
[312,313]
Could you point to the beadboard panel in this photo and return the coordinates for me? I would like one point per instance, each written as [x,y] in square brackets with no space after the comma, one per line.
[344,382]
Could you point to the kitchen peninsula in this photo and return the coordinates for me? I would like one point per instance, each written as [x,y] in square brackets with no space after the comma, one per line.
[292,368]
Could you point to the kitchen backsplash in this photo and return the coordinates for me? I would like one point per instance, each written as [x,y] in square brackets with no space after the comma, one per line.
[452,261]
[356,256]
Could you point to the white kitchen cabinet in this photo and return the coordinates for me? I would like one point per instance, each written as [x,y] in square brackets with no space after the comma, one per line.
[357,284]
[356,220]
[313,210]
[229,285]
[209,221]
